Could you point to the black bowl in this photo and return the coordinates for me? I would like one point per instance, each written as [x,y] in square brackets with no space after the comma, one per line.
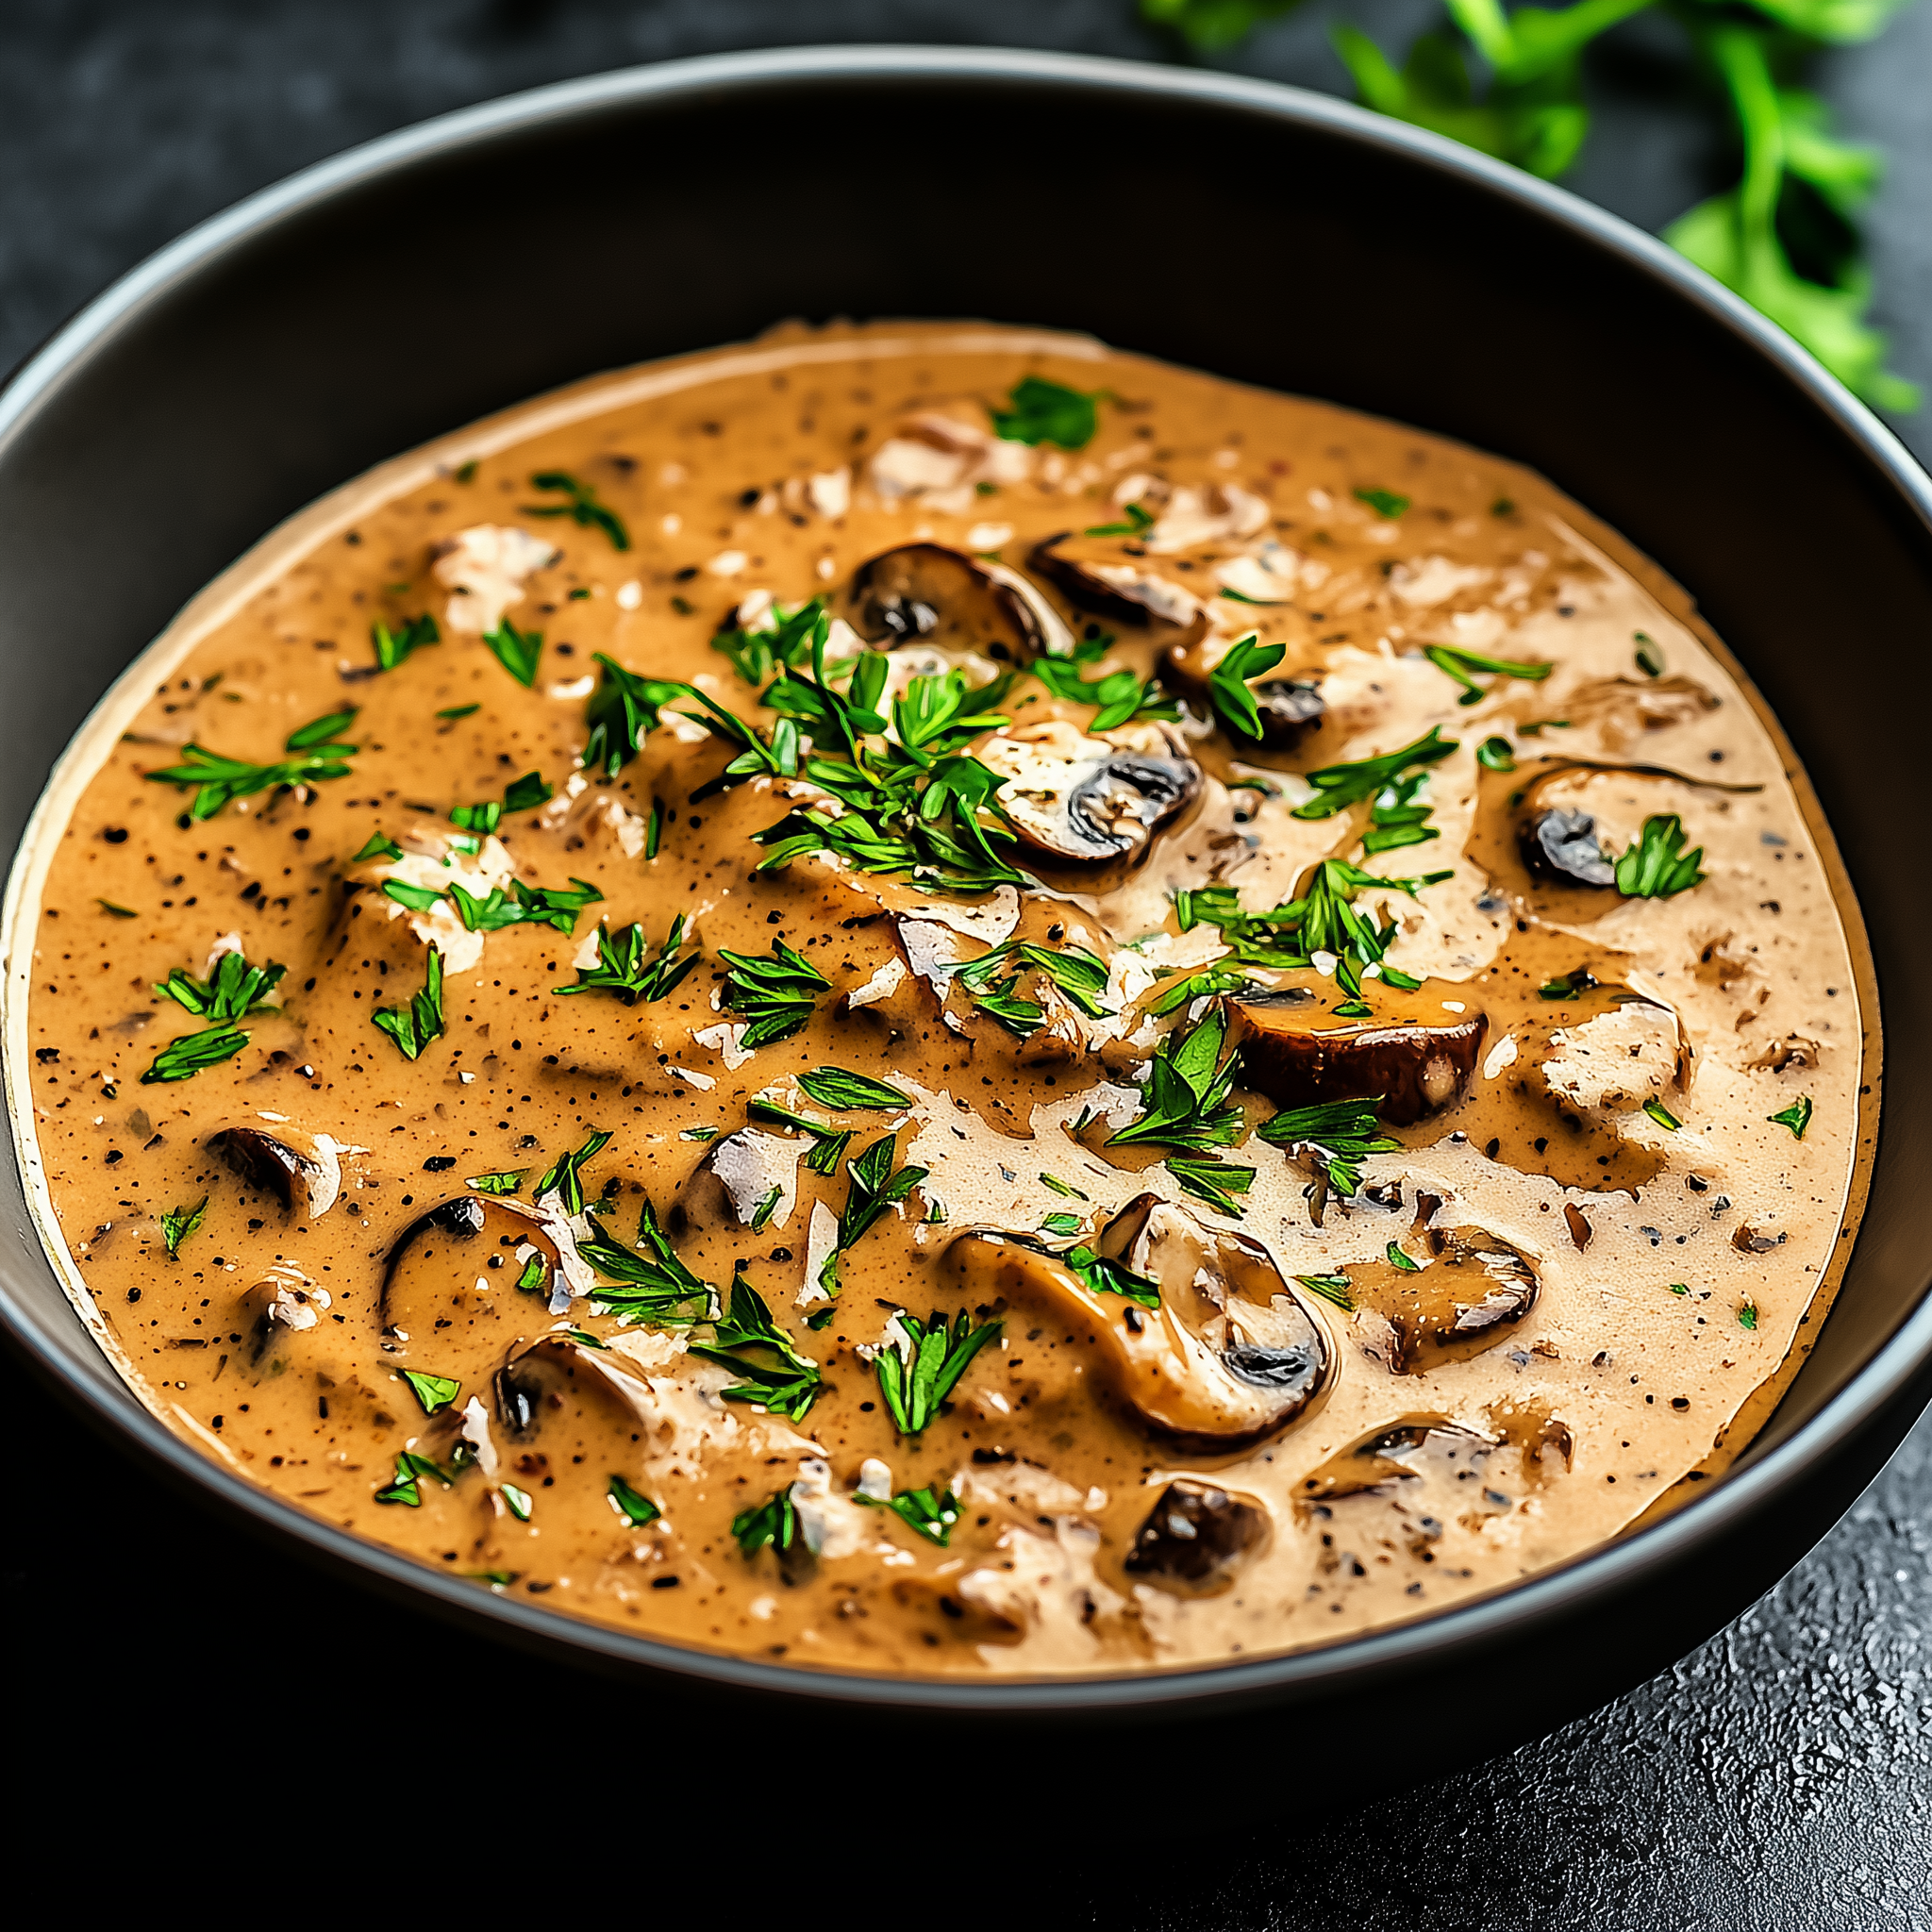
[340,318]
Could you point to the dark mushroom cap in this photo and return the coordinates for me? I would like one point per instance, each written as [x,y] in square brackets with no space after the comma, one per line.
[282,1304]
[1295,1051]
[1082,801]
[1197,1537]
[1229,1357]
[302,1171]
[465,1282]
[1562,846]
[554,1379]
[1121,592]
[924,593]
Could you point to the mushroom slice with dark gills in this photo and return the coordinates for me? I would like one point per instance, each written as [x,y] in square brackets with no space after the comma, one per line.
[557,1379]
[1562,846]
[467,1281]
[746,1180]
[1084,801]
[302,1171]
[1460,1291]
[1197,1334]
[283,1303]
[1124,592]
[1197,1537]
[924,593]
[1288,708]
[1415,1058]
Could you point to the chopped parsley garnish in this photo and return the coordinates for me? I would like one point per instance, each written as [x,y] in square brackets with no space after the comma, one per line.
[1204,984]
[1121,696]
[564,1178]
[527,793]
[747,1339]
[178,1223]
[219,779]
[1342,1134]
[653,1285]
[1101,1274]
[1397,820]
[1139,522]
[516,650]
[1061,1225]
[1218,906]
[518,1501]
[1569,985]
[1459,665]
[1041,411]
[875,1185]
[914,1384]
[195,1053]
[848,1093]
[774,995]
[774,1523]
[1184,1102]
[1217,1182]
[413,1028]
[1679,1287]
[115,912]
[522,904]
[393,647]
[1078,974]
[1797,1117]
[1228,688]
[1496,754]
[635,1508]
[1650,654]
[235,991]
[1385,502]
[381,845]
[1398,1260]
[1747,1315]
[930,1511]
[432,1391]
[1337,787]
[828,1142]
[456,711]
[623,969]
[1661,1114]
[407,1486]
[1061,1187]
[621,712]
[583,509]
[1657,866]
[506,1182]
[1331,1288]
[785,639]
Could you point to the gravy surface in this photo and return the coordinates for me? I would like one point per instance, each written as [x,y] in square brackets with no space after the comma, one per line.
[1067,1365]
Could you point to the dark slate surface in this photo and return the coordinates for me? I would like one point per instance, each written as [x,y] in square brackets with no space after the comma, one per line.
[1778,1780]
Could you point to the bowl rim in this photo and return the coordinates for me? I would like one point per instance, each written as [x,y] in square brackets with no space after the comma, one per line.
[1751,1486]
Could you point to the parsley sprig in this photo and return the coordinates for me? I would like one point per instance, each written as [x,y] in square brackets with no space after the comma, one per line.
[1121,696]
[413,1028]
[873,1184]
[235,991]
[516,650]
[1338,787]
[623,969]
[1228,688]
[828,1142]
[1184,1102]
[1657,866]
[564,1178]
[747,1341]
[784,640]
[1340,1134]
[646,1282]
[774,1521]
[622,712]
[582,508]
[315,755]
[930,1511]
[775,995]
[914,1383]
[393,647]
[992,980]
[1460,665]
[553,905]
[1039,410]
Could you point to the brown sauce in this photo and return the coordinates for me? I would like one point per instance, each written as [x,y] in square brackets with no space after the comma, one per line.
[1201,1397]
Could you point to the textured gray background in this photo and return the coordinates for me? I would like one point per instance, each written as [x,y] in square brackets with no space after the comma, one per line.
[1778,1780]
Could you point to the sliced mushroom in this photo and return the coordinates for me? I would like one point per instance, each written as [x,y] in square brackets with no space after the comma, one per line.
[746,1180]
[1123,592]
[1389,1461]
[283,1302]
[1469,1288]
[302,1171]
[1197,1537]
[1562,846]
[1299,1054]
[1289,708]
[924,593]
[553,1377]
[1229,1356]
[1082,801]
[465,1282]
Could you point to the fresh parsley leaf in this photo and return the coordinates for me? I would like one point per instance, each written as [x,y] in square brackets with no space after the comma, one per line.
[1101,1274]
[518,1501]
[1228,684]
[1039,412]
[236,990]
[1337,787]
[1496,754]
[787,638]
[873,1186]
[1385,502]
[411,1470]
[455,711]
[1342,1134]
[774,1521]
[1661,1114]
[564,1178]
[582,508]
[482,819]
[1331,1288]
[637,1509]
[930,1511]
[379,846]
[393,647]
[1189,987]
[622,712]
[846,1093]
[527,793]
[1139,522]
[1122,698]
[1570,986]
[506,1182]
[432,1391]
[115,912]
[193,1053]
[1747,1315]
[1218,906]
[652,1284]
[1081,975]
[1797,1117]
[1060,1187]
[413,1028]
[623,969]
[323,731]
[1184,1102]
[775,995]
[1217,1182]
[1398,1260]
[1650,654]
[522,904]
[516,650]
[218,780]
[1061,1225]
[178,1223]
[749,1342]
[1460,664]
[1657,866]
[913,1383]
[828,1142]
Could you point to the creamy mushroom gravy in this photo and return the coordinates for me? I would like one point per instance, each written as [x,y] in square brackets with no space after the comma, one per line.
[1075,1361]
